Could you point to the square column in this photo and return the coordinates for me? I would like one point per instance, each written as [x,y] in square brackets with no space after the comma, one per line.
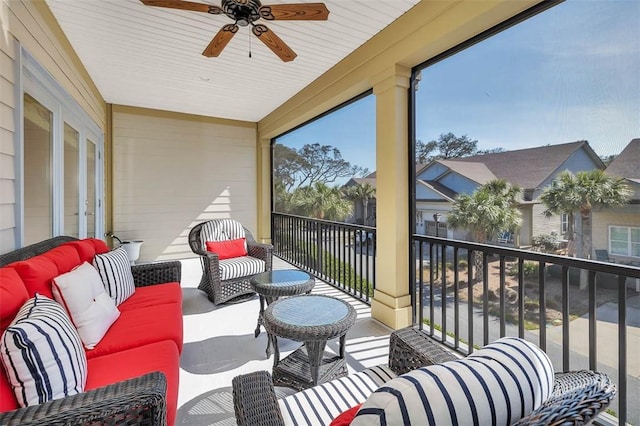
[391,302]
[264,172]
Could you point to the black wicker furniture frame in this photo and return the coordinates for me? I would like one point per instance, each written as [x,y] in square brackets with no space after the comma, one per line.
[137,401]
[235,289]
[577,398]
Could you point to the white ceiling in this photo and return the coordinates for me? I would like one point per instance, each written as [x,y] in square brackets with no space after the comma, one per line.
[150,57]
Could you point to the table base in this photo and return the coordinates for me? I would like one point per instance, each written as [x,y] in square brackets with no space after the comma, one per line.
[294,371]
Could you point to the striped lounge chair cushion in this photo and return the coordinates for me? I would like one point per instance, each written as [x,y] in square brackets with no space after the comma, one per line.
[321,404]
[237,267]
[496,385]
[42,353]
[114,268]
[221,230]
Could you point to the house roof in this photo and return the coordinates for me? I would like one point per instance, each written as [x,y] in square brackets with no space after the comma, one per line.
[627,163]
[528,168]
[476,171]
[437,187]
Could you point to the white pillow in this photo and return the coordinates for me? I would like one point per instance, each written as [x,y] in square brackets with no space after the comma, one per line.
[114,268]
[42,353]
[91,309]
[499,384]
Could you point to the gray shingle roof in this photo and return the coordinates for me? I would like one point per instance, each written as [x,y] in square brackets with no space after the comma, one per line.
[527,168]
[627,163]
[476,171]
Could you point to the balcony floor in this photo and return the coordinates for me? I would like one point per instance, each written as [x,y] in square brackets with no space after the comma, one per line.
[219,344]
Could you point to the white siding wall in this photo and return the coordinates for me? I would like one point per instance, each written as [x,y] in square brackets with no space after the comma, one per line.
[7,148]
[173,170]
[543,225]
[628,215]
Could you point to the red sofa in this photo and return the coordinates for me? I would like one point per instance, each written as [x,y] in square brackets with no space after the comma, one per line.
[123,379]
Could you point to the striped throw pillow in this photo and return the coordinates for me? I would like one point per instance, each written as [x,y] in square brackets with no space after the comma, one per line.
[114,268]
[496,385]
[42,353]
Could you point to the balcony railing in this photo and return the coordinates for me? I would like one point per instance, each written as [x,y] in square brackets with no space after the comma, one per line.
[341,254]
[576,310]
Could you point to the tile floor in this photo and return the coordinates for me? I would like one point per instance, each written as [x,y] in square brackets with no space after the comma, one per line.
[219,344]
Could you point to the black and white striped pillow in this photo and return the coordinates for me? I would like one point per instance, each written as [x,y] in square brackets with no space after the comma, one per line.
[497,385]
[114,268]
[42,353]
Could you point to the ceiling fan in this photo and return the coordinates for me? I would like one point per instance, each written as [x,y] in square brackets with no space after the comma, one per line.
[247,12]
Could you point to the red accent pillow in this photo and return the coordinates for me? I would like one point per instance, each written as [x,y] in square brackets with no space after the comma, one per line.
[228,249]
[346,417]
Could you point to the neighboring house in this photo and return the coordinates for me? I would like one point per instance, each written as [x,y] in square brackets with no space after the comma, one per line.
[439,182]
[370,216]
[618,230]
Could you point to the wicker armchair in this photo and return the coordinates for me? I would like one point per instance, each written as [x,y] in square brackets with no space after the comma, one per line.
[577,398]
[141,400]
[228,279]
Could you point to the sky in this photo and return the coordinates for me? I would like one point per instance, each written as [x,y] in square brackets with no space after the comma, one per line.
[570,73]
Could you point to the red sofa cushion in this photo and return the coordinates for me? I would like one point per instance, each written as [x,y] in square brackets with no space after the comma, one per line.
[65,257]
[137,327]
[85,248]
[8,399]
[13,294]
[153,295]
[100,246]
[37,274]
[159,356]
[228,249]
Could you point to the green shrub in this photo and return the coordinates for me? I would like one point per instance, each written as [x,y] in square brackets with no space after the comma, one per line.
[546,242]
[530,269]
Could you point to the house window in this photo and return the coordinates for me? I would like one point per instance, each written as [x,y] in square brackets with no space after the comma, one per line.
[624,241]
[564,223]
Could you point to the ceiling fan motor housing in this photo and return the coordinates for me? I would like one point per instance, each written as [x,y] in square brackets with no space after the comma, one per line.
[244,12]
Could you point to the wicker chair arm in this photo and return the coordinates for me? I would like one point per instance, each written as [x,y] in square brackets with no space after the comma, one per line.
[254,400]
[259,250]
[156,273]
[578,397]
[134,401]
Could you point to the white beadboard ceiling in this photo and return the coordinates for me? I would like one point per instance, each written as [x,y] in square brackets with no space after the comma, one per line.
[150,57]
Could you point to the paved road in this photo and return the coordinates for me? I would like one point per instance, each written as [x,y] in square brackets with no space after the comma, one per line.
[579,342]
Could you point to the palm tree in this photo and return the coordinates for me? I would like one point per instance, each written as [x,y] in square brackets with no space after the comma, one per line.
[490,209]
[580,193]
[362,192]
[321,201]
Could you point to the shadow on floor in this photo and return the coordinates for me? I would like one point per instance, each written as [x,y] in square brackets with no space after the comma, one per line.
[195,302]
[210,408]
[222,353]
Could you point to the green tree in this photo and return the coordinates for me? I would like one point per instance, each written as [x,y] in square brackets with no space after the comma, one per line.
[490,209]
[362,193]
[321,201]
[577,195]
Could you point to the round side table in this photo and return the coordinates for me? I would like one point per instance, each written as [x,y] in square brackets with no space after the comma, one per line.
[271,285]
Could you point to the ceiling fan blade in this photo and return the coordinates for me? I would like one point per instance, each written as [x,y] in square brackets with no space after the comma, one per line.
[274,42]
[185,5]
[295,11]
[220,40]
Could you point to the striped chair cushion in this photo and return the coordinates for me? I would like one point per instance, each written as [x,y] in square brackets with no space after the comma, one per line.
[496,385]
[321,404]
[221,230]
[114,268]
[237,267]
[42,353]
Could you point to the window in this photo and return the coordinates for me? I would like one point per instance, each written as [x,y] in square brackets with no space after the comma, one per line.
[624,241]
[564,223]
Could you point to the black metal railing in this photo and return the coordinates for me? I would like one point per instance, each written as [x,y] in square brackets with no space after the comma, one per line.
[576,310]
[342,254]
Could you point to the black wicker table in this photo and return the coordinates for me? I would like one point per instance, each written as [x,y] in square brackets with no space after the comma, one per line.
[312,319]
[271,285]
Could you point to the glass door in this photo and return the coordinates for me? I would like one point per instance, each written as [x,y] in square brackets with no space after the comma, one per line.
[72,207]
[92,203]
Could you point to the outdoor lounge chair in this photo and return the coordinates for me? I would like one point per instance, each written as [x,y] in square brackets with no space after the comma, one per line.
[603,256]
[226,279]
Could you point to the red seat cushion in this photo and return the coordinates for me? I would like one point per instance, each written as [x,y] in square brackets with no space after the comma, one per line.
[153,295]
[13,294]
[137,327]
[65,257]
[159,356]
[37,274]
[100,246]
[85,248]
[8,399]
[228,249]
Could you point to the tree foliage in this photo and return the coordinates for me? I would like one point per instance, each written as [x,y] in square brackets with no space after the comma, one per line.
[310,164]
[448,146]
[577,194]
[321,201]
[362,193]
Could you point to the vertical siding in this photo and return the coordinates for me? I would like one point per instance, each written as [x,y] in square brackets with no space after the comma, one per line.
[33,25]
[171,171]
[544,225]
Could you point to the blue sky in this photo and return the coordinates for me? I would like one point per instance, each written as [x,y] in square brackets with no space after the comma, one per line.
[570,73]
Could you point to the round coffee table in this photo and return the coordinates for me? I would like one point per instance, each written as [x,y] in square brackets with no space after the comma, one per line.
[271,285]
[312,319]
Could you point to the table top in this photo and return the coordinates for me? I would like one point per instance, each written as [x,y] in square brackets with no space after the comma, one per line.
[309,317]
[282,282]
